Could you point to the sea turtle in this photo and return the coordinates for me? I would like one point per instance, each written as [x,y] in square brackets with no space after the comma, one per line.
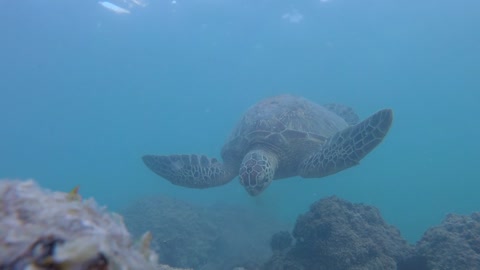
[280,137]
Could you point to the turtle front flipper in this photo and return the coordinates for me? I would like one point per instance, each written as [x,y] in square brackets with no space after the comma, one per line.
[347,147]
[194,171]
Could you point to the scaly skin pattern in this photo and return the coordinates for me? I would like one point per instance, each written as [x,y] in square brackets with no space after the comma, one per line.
[280,137]
[195,171]
[346,148]
[257,170]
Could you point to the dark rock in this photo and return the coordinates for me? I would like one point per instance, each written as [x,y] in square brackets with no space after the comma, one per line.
[413,262]
[281,241]
[182,234]
[203,238]
[336,234]
[455,244]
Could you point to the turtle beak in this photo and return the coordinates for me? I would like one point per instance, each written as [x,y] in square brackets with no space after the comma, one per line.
[254,191]
[254,188]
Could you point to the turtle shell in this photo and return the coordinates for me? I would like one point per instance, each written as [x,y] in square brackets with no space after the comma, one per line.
[290,126]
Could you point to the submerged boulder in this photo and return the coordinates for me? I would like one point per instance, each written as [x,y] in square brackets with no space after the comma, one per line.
[336,234]
[218,237]
[42,229]
[454,244]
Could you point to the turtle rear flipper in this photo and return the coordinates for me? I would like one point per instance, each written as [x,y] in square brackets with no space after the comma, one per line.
[347,147]
[347,113]
[194,171]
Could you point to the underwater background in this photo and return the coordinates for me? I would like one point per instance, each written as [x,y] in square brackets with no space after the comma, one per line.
[85,92]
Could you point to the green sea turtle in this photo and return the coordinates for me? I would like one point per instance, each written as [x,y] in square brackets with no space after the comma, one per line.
[280,137]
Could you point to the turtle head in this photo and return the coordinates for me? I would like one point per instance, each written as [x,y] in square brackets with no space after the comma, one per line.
[257,170]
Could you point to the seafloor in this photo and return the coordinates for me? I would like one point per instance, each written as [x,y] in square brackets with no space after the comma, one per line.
[42,229]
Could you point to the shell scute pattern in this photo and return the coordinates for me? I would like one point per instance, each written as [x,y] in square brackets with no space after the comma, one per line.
[283,123]
[280,137]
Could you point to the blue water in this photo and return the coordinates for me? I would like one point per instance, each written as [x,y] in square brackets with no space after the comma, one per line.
[85,92]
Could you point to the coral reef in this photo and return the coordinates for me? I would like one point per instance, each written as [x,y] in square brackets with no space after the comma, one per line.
[203,237]
[183,235]
[41,229]
[336,234]
[46,230]
[455,244]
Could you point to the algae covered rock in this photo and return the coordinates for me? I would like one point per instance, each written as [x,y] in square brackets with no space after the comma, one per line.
[454,244]
[41,229]
[336,234]
[203,237]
